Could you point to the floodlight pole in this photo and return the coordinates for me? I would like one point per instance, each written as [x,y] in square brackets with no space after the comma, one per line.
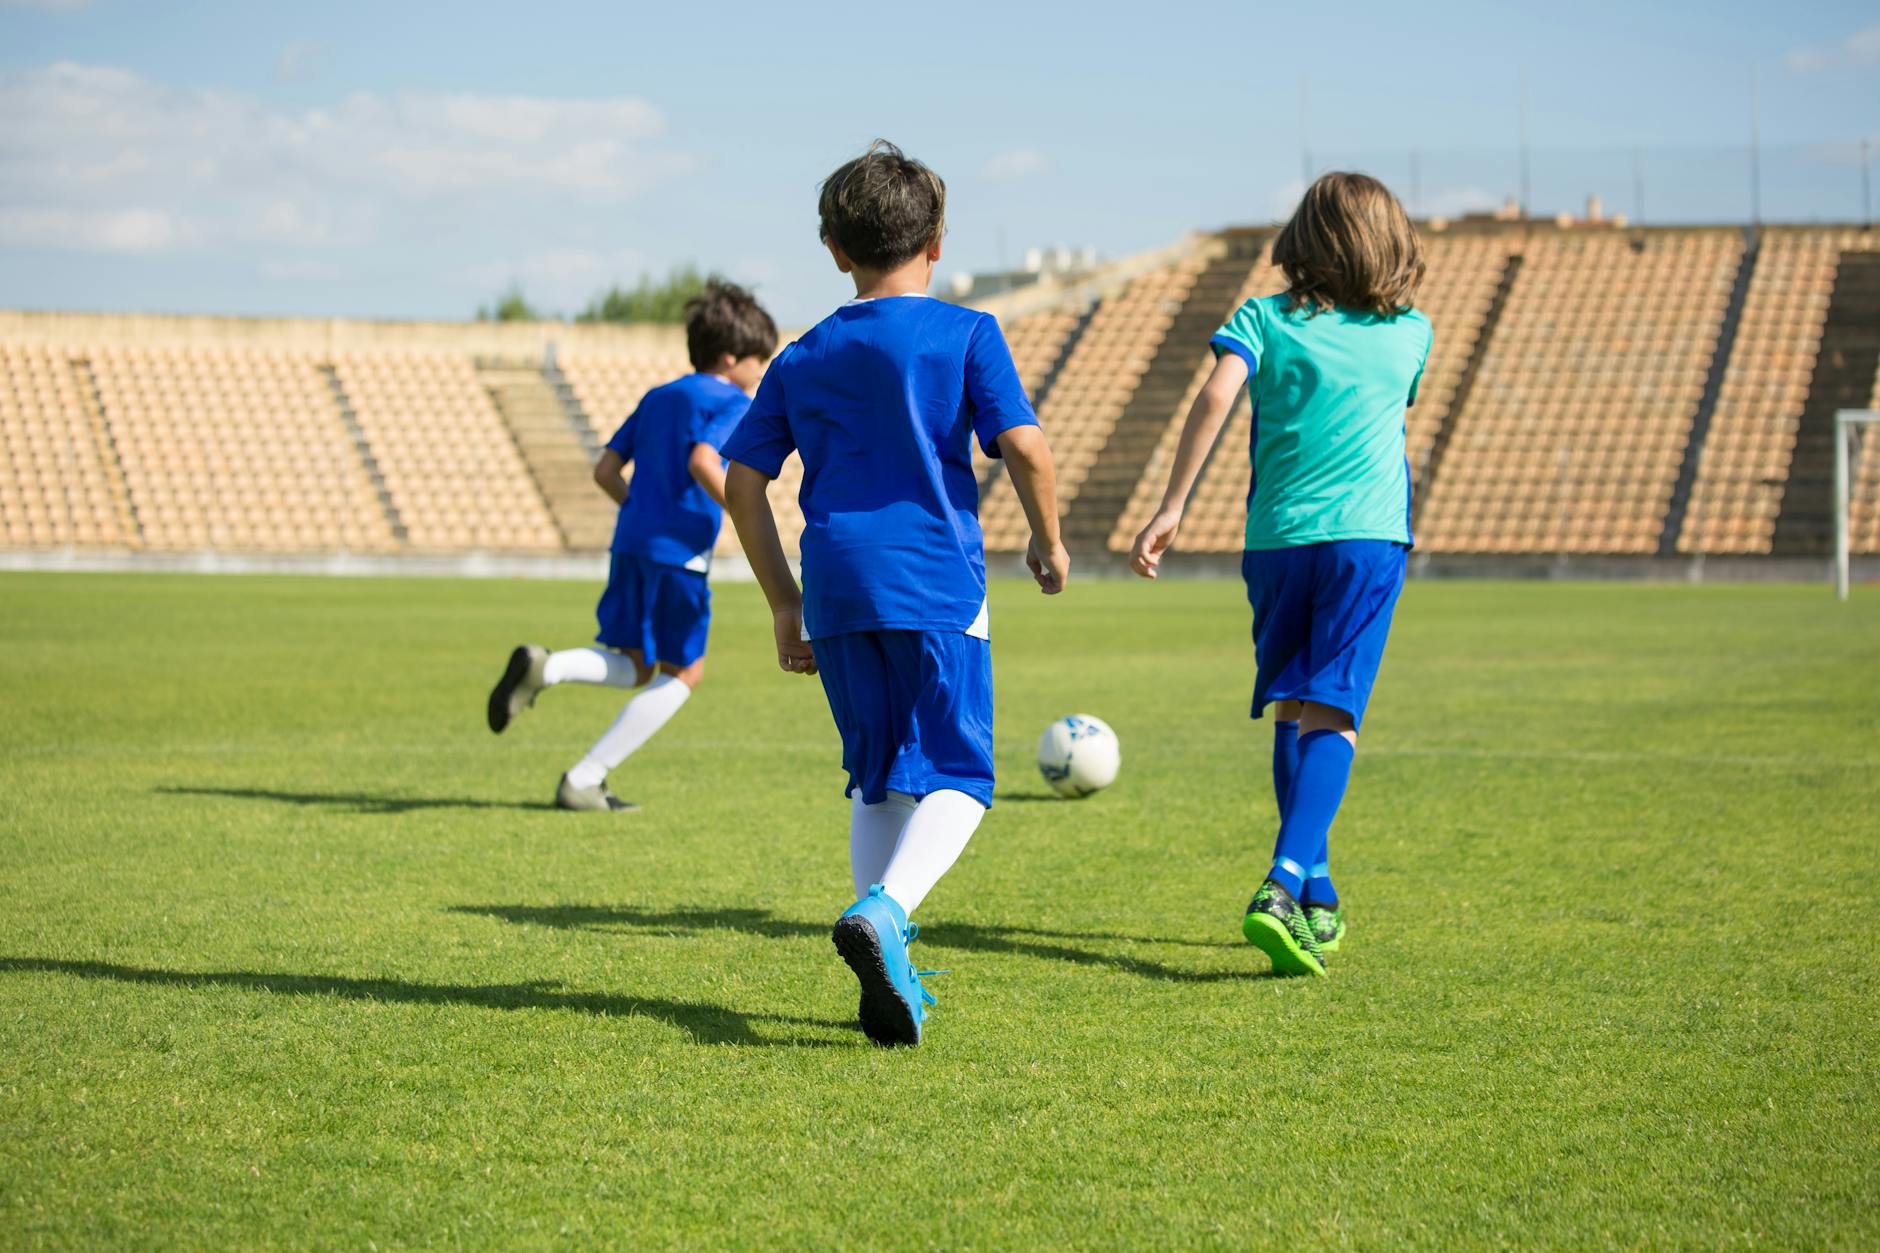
[1866,185]
[1305,130]
[1755,148]
[1521,122]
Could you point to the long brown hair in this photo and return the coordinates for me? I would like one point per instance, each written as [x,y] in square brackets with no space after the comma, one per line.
[1350,243]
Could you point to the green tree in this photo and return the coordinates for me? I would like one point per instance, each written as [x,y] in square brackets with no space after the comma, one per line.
[510,306]
[649,300]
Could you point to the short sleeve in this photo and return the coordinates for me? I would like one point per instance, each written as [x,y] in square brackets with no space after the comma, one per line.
[622,442]
[1428,344]
[762,439]
[993,387]
[714,425]
[1242,335]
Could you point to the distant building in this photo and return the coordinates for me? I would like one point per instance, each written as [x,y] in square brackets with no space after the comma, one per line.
[1056,264]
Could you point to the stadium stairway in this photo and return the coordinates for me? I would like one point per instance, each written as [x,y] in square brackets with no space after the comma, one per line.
[1165,387]
[124,505]
[558,460]
[1844,379]
[1424,476]
[356,433]
[1682,486]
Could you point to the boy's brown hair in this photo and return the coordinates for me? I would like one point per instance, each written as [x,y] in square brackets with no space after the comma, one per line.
[883,207]
[725,318]
[1350,243]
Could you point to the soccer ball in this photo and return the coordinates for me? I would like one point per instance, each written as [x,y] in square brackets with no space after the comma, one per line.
[1079,755]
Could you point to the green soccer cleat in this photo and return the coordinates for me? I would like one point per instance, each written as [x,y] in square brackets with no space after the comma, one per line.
[1327,925]
[1276,925]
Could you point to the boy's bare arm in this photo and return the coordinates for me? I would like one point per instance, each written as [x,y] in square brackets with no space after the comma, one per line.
[1034,477]
[749,508]
[607,474]
[708,469]
[1205,419]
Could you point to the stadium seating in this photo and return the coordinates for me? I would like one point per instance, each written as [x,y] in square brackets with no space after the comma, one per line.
[60,483]
[1092,386]
[609,387]
[1555,415]
[1577,420]
[1217,513]
[450,466]
[1744,466]
[235,450]
[1864,512]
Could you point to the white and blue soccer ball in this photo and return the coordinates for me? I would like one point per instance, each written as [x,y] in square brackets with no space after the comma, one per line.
[1079,755]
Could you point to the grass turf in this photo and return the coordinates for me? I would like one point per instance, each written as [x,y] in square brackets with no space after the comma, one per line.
[292,951]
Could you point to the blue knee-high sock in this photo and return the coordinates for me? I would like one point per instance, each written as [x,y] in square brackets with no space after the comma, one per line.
[1285,760]
[1319,889]
[1318,787]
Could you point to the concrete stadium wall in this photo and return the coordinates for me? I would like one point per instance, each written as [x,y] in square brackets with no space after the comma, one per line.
[333,335]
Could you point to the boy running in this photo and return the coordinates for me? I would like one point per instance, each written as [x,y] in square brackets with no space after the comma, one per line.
[1332,364]
[883,399]
[657,609]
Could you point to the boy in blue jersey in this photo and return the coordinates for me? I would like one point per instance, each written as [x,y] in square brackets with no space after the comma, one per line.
[1332,363]
[883,399]
[656,610]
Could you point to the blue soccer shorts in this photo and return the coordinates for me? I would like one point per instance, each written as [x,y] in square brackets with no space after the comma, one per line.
[914,709]
[1321,613]
[664,612]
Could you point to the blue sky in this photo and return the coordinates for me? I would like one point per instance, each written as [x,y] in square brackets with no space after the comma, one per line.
[407,160]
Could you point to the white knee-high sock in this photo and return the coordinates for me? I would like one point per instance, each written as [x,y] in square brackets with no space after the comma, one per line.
[590,665]
[644,714]
[874,831]
[932,841]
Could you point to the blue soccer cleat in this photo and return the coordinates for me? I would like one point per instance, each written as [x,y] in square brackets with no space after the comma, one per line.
[872,936]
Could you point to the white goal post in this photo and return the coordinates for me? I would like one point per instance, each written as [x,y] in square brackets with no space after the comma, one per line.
[1845,422]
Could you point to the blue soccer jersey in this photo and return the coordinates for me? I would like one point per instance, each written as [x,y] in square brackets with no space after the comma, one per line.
[668,517]
[882,399]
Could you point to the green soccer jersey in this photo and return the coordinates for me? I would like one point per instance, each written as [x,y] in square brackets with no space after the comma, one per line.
[1329,393]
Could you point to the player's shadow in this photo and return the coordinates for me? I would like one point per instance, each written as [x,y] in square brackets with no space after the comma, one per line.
[1083,948]
[350,802]
[706,1023]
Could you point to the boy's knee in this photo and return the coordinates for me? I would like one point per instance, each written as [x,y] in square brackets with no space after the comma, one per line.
[1287,710]
[688,675]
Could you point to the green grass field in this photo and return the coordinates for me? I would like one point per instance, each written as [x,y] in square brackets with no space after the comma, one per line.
[292,951]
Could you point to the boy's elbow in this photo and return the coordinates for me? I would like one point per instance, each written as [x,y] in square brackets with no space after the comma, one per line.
[743,485]
[1024,445]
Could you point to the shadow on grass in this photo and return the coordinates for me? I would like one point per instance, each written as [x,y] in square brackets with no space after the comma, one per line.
[354,802]
[707,1024]
[1066,946]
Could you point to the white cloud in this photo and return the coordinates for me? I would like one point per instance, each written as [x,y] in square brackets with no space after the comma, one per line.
[113,230]
[1853,51]
[1015,163]
[302,61]
[100,159]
